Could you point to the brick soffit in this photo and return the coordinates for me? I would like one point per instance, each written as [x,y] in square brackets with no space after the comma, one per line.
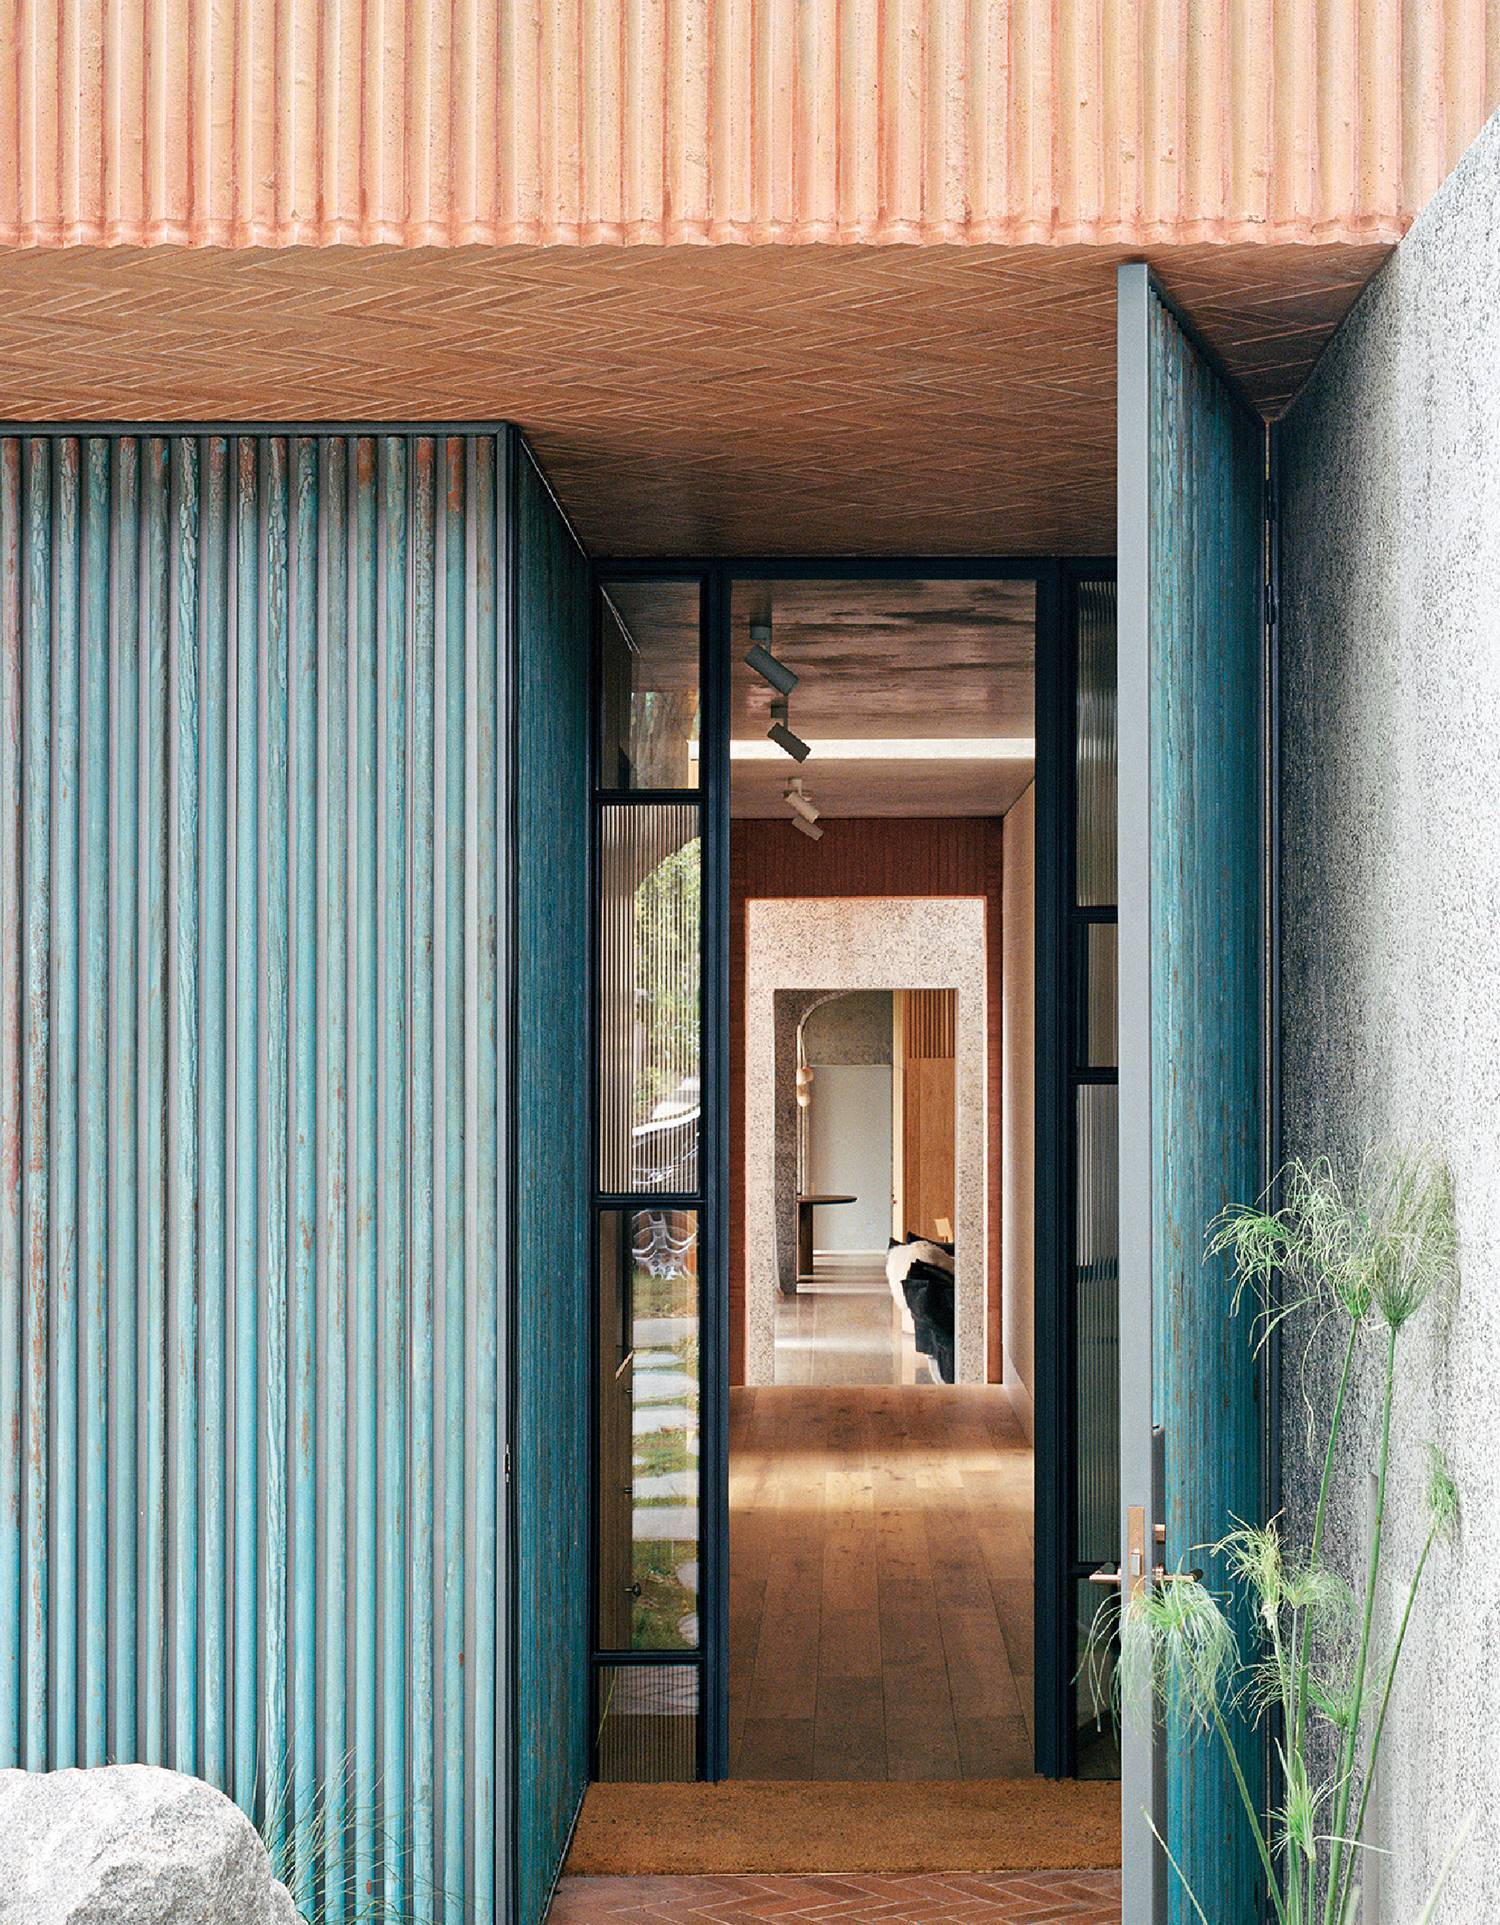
[729,400]
[754,275]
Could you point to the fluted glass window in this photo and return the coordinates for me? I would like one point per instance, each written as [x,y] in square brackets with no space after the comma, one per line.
[1101,995]
[648,1724]
[648,685]
[648,1416]
[1097,753]
[1097,1310]
[650,996]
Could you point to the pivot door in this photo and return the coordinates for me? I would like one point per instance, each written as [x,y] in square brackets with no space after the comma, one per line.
[1191,646]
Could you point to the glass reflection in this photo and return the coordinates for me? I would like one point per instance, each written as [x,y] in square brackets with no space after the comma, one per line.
[648,672]
[650,977]
[648,1430]
[1097,750]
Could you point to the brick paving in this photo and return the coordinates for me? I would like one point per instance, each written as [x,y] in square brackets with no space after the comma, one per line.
[931,1898]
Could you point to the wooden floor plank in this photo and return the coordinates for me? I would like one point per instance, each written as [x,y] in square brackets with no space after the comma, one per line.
[881,1583]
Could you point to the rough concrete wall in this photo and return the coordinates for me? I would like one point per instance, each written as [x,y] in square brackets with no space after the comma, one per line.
[1018,1101]
[1391,906]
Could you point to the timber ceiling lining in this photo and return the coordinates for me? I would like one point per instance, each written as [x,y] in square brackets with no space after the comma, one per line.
[910,660]
[685,400]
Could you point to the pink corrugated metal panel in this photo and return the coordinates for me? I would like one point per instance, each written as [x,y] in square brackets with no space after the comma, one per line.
[417,122]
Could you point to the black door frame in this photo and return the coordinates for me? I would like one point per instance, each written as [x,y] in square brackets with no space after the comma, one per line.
[1054,1480]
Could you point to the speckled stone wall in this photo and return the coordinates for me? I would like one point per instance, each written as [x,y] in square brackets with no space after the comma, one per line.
[931,942]
[1391,918]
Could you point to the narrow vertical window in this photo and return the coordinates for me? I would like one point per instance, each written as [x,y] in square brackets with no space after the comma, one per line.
[649,1136]
[1095,1265]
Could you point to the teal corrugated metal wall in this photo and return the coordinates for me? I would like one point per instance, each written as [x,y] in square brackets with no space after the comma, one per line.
[1206,495]
[250,896]
[551,1293]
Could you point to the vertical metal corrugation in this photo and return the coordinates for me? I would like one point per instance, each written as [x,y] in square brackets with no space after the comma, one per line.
[249,877]
[1205,491]
[598,121]
[549,1288]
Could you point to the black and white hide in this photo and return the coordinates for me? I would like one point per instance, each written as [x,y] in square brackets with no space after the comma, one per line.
[920,1274]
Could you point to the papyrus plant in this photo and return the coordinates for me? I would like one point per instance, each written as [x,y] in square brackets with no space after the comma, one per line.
[1367,1257]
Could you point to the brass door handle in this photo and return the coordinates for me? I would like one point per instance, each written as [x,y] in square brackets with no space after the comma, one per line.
[1159,1575]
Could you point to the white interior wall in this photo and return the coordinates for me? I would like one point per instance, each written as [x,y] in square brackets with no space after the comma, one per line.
[849,1140]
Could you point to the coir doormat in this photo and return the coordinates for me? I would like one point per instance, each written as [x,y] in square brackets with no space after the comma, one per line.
[1021,1824]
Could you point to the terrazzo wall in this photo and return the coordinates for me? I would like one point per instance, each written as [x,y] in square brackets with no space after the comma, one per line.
[1390,634]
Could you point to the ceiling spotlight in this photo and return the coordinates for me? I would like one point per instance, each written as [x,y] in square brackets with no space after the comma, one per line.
[797,801]
[765,664]
[783,737]
[804,821]
[781,734]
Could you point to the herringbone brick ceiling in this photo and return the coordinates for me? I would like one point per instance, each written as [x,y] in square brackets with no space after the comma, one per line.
[791,275]
[723,399]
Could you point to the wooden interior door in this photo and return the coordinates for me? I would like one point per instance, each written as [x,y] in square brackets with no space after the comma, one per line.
[928,1122]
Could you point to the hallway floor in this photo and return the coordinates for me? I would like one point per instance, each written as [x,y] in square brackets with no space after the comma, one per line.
[843,1327]
[934,1898]
[880,1584]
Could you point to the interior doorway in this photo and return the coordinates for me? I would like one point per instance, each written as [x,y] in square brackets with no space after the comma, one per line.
[866,1142]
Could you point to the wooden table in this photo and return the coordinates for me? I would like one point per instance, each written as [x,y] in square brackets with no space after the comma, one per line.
[805,1207]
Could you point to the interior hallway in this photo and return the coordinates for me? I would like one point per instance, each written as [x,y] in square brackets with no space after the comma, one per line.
[842,1327]
[880,1584]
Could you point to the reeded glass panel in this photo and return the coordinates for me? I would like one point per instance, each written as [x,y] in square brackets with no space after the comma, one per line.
[1097,760]
[1101,995]
[648,1430]
[1097,1632]
[650,995]
[1096,1286]
[648,685]
[648,1724]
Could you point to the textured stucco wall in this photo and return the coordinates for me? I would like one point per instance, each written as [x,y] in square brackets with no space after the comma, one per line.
[1391,982]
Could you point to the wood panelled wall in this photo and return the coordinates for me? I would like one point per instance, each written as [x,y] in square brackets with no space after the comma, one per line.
[860,856]
[929,1147]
